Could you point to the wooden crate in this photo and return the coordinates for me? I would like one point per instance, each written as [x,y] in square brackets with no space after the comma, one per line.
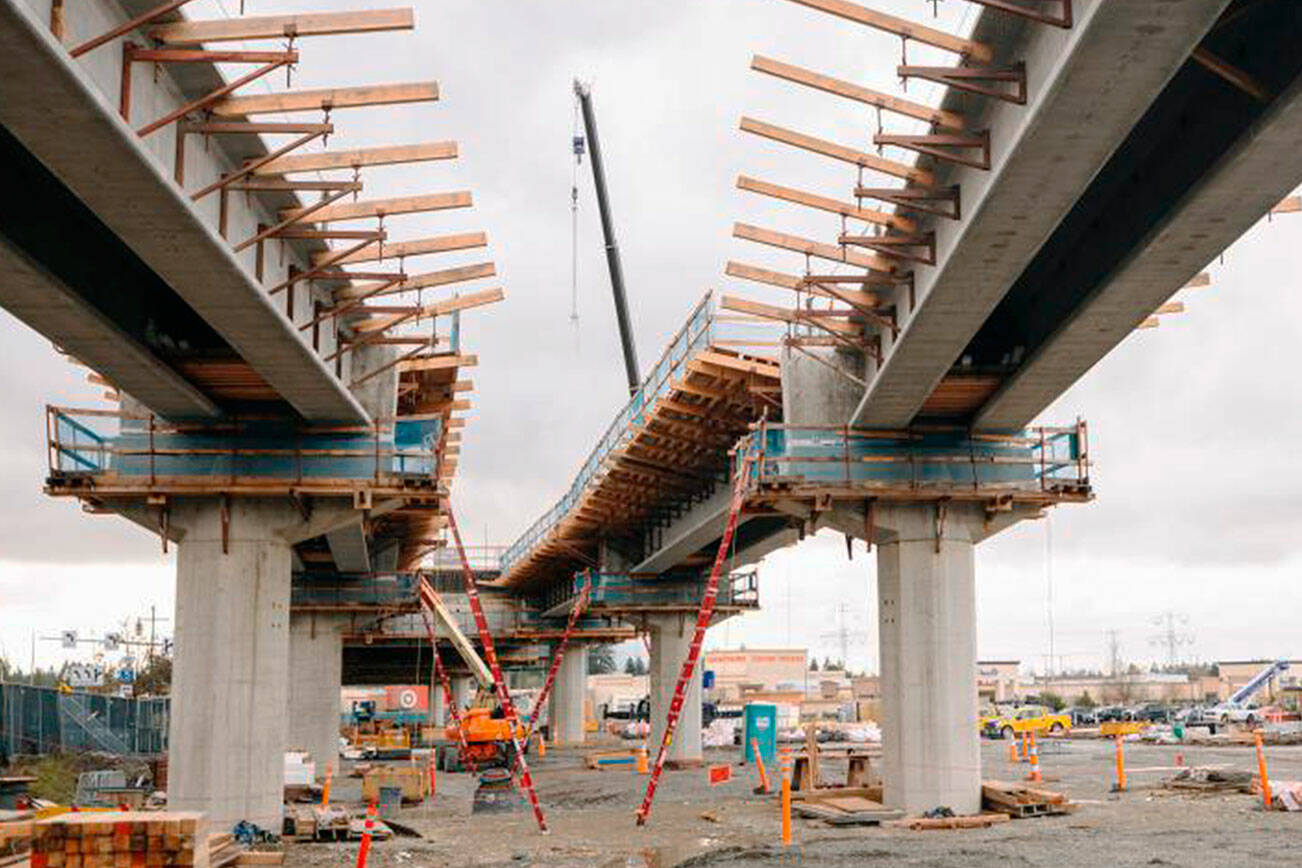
[412,779]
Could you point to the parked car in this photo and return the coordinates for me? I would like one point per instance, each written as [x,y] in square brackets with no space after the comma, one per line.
[1081,716]
[1110,712]
[1028,718]
[1153,712]
[1227,713]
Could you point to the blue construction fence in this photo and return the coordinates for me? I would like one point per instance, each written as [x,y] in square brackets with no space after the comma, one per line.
[45,720]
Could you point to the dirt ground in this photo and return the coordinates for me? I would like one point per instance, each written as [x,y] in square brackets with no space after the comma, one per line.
[591,815]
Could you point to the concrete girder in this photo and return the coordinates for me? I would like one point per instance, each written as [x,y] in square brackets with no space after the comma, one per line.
[349,549]
[1088,87]
[50,307]
[1243,186]
[51,106]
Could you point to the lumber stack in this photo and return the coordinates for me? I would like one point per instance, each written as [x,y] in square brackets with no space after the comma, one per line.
[970,821]
[117,839]
[1019,801]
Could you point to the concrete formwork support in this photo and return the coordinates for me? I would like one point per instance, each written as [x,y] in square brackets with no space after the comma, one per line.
[228,724]
[927,613]
[568,693]
[316,651]
[671,635]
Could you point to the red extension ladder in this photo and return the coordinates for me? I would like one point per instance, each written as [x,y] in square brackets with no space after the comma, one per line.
[702,622]
[499,681]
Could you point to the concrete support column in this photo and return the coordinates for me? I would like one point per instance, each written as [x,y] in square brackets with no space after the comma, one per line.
[438,712]
[671,635]
[316,654]
[927,613]
[463,690]
[567,697]
[230,676]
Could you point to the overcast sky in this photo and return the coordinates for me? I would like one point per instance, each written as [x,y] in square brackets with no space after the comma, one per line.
[1192,423]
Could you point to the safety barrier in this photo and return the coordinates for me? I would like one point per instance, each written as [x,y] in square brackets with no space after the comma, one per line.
[88,442]
[941,461]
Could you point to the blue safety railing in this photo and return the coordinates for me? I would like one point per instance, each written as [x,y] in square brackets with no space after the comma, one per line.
[94,442]
[1037,459]
[704,328]
[622,591]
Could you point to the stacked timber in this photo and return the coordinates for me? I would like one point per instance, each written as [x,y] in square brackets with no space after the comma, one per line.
[117,839]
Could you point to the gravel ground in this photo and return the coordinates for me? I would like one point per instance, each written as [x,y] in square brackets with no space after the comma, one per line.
[695,824]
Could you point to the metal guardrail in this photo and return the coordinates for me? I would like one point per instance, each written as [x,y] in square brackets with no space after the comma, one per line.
[89,442]
[1046,460]
[703,328]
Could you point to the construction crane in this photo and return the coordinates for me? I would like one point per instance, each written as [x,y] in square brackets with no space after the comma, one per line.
[584,95]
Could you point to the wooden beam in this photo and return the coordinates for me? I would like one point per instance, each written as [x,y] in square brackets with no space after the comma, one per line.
[795,243]
[783,314]
[438,363]
[1199,280]
[418,247]
[902,27]
[823,203]
[748,366]
[384,156]
[1169,308]
[424,281]
[282,26]
[327,98]
[438,308]
[1233,74]
[1288,205]
[838,152]
[858,93]
[790,281]
[386,207]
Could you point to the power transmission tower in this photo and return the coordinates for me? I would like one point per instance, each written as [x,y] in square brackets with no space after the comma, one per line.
[843,634]
[1173,634]
[1114,654]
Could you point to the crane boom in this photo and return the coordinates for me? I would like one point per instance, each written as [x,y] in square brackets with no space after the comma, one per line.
[584,93]
[1244,693]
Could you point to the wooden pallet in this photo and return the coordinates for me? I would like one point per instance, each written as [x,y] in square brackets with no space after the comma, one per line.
[1020,802]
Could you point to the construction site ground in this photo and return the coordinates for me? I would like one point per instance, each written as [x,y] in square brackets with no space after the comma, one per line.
[591,815]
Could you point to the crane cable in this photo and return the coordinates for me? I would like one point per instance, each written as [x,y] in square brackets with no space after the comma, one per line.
[577,143]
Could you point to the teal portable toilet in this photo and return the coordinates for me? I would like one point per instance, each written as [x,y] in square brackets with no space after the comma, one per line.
[760,723]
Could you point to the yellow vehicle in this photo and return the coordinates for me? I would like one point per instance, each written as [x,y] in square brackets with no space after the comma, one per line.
[1027,718]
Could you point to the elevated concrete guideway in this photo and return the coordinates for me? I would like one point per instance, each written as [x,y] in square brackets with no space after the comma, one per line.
[52,108]
[1202,167]
[1088,86]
